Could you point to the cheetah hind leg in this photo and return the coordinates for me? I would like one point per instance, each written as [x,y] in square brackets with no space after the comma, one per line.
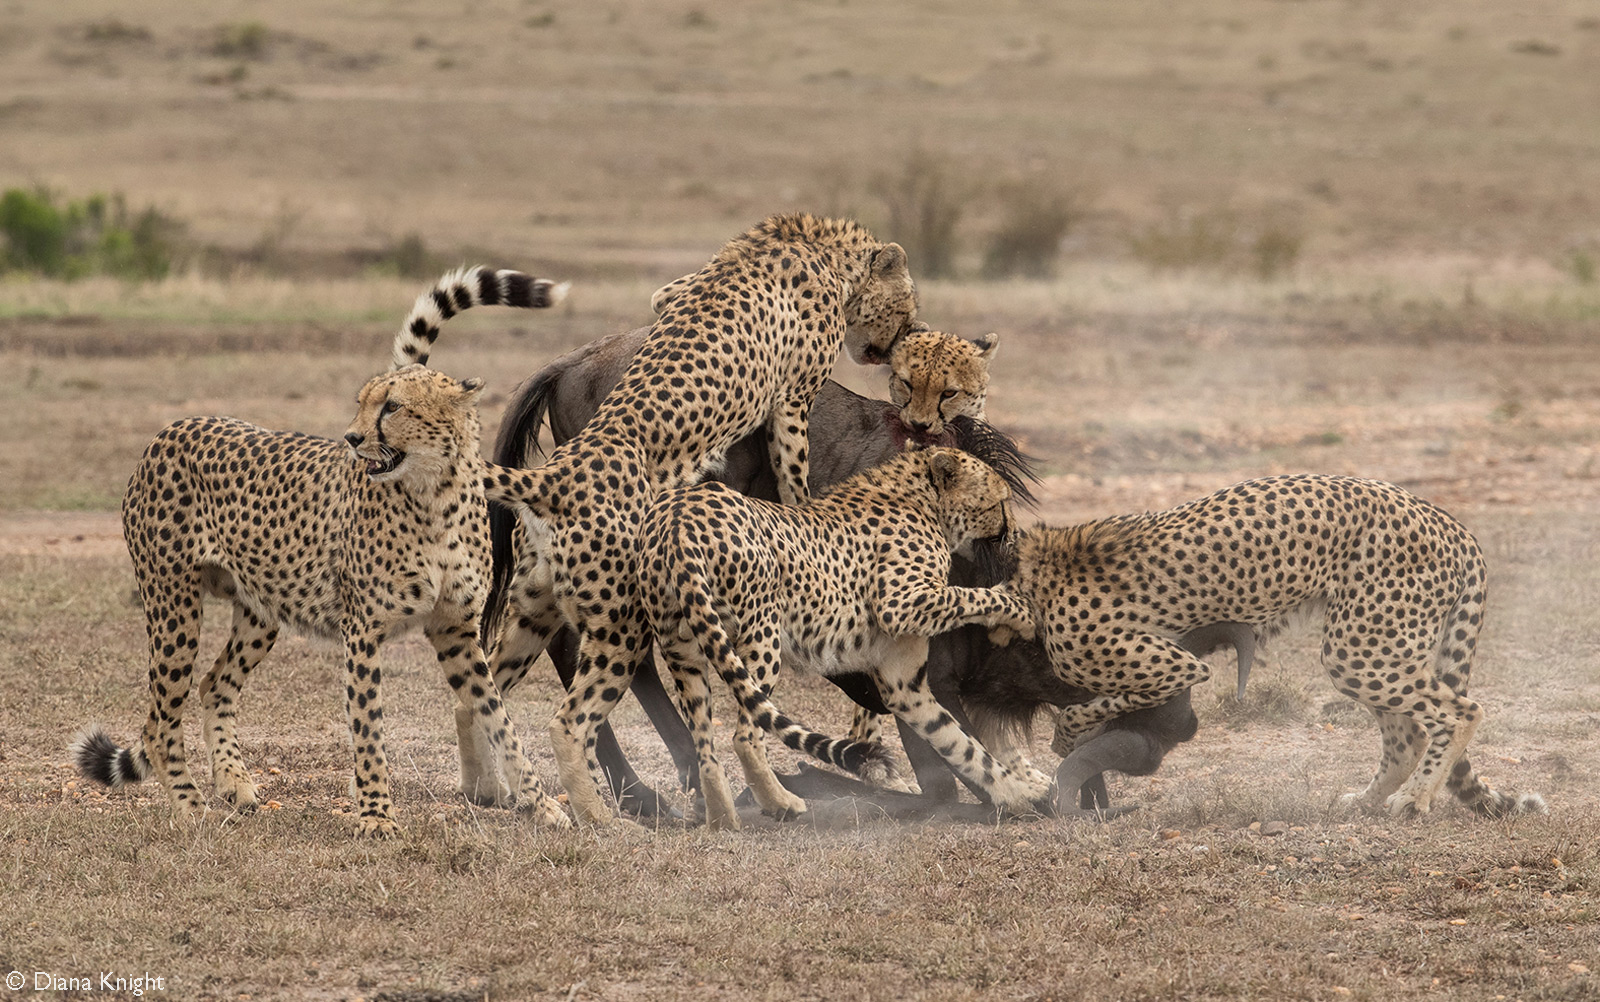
[482,781]
[173,642]
[694,698]
[521,633]
[776,800]
[468,672]
[749,743]
[1449,727]
[1403,741]
[219,691]
[605,672]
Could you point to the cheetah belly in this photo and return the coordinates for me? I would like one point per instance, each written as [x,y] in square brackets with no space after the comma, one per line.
[833,637]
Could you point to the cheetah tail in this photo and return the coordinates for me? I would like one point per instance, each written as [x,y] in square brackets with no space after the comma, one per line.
[102,760]
[863,758]
[461,290]
[1478,795]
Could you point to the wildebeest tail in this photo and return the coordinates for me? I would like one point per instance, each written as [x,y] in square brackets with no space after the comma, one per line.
[461,290]
[102,760]
[516,445]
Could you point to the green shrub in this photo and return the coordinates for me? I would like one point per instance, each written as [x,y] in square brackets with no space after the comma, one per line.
[94,236]
[1275,250]
[1582,266]
[1218,240]
[240,41]
[407,257]
[35,232]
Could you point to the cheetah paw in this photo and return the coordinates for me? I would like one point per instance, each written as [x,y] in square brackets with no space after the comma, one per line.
[377,828]
[546,812]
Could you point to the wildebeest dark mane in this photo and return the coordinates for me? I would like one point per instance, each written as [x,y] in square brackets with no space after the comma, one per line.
[1001,452]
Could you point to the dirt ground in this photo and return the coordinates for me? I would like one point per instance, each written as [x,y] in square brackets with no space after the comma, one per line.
[1425,175]
[1238,877]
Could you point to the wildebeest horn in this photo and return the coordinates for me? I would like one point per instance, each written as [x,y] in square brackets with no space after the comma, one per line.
[1240,636]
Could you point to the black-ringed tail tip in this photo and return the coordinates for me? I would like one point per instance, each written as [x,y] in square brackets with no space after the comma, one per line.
[461,290]
[102,760]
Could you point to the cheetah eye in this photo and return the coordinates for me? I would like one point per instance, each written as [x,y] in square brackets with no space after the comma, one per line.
[389,407]
[947,394]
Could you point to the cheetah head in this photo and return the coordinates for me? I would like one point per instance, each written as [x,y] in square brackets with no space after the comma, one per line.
[938,377]
[973,501]
[414,424]
[881,308]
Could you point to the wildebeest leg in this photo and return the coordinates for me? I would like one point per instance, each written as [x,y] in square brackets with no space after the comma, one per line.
[633,795]
[1133,744]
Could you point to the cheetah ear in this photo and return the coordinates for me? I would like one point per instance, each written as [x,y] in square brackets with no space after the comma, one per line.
[942,469]
[470,388]
[986,345]
[888,259]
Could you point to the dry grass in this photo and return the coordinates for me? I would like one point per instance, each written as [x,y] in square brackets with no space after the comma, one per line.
[1437,165]
[1238,879]
[618,138]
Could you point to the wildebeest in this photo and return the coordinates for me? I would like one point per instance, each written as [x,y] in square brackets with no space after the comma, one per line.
[994,692]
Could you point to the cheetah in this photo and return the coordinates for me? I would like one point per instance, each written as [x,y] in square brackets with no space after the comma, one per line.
[746,343]
[357,540]
[855,580]
[569,389]
[1398,582]
[937,377]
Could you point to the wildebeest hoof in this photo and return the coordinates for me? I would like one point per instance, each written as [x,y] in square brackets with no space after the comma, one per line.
[648,805]
[1067,812]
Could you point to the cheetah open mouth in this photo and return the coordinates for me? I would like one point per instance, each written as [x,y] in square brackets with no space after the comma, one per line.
[392,458]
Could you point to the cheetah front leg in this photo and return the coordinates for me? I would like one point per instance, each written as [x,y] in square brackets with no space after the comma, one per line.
[903,681]
[478,698]
[1130,671]
[251,640]
[906,609]
[789,449]
[364,705]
